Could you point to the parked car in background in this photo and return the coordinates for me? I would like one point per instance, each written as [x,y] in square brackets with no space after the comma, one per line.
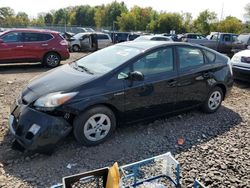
[242,43]
[126,82]
[80,40]
[153,37]
[174,37]
[192,37]
[86,29]
[133,36]
[33,45]
[118,37]
[221,42]
[241,65]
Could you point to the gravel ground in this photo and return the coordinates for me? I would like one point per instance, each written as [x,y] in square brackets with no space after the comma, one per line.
[216,146]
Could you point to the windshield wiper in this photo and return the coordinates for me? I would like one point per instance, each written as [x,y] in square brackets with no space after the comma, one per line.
[81,68]
[85,69]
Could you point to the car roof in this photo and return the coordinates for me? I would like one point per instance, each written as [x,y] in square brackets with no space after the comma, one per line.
[147,45]
[33,30]
[152,36]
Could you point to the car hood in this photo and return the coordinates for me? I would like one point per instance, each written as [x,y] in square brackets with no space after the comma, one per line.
[64,78]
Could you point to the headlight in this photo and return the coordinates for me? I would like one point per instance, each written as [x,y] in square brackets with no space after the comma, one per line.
[236,58]
[53,99]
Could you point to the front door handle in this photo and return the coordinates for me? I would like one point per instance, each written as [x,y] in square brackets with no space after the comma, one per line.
[172,83]
[20,46]
[206,75]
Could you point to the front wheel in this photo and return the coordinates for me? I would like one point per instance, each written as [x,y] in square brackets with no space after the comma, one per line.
[94,126]
[51,60]
[214,100]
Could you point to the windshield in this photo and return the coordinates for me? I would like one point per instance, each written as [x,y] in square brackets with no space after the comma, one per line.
[107,59]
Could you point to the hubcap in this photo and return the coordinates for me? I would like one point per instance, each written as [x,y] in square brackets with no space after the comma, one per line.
[97,127]
[75,48]
[214,100]
[52,60]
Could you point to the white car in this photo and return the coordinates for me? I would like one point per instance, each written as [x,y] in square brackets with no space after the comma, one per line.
[82,39]
[241,65]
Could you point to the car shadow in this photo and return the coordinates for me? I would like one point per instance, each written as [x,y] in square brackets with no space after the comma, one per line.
[129,143]
[22,68]
[242,84]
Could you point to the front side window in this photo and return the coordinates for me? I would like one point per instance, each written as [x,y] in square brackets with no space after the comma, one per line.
[190,57]
[12,37]
[157,62]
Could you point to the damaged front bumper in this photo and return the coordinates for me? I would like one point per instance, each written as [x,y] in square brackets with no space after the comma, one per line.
[35,130]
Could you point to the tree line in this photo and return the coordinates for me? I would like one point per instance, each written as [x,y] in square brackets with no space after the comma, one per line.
[117,15]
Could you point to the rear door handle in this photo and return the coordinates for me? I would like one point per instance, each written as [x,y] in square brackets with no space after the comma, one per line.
[20,46]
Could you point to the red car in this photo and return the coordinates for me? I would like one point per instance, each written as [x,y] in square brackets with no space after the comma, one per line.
[33,45]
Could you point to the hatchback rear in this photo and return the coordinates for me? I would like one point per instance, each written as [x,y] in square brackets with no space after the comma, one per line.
[32,45]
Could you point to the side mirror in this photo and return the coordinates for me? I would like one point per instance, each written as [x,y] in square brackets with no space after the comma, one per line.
[1,41]
[136,76]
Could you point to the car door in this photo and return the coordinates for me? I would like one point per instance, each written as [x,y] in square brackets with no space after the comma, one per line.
[11,49]
[35,44]
[193,74]
[103,40]
[156,94]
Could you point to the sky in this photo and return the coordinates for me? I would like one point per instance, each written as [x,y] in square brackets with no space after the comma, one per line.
[229,7]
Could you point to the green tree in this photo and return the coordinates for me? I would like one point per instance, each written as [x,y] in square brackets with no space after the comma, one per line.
[247,12]
[22,19]
[99,16]
[169,21]
[84,16]
[6,16]
[112,11]
[230,25]
[48,19]
[60,17]
[203,22]
[187,22]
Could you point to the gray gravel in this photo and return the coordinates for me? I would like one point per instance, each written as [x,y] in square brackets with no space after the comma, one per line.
[215,150]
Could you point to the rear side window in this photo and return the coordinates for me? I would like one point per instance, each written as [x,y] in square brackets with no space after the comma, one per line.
[36,37]
[12,37]
[210,56]
[190,57]
[102,37]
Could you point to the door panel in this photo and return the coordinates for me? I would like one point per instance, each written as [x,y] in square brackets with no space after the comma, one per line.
[192,79]
[156,94]
[12,47]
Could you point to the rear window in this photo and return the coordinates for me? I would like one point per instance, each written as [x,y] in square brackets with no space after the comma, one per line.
[210,56]
[102,36]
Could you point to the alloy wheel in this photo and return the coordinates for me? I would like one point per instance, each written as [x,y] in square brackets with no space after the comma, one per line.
[214,100]
[97,127]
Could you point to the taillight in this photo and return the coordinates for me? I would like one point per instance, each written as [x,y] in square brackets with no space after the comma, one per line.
[245,59]
[64,43]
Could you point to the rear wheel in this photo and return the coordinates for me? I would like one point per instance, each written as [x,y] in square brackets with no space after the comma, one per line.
[214,100]
[52,59]
[76,48]
[94,126]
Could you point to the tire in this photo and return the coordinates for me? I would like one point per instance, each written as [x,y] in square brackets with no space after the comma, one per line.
[213,101]
[75,48]
[94,126]
[51,60]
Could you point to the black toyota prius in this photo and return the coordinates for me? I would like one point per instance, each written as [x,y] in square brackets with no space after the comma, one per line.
[123,83]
